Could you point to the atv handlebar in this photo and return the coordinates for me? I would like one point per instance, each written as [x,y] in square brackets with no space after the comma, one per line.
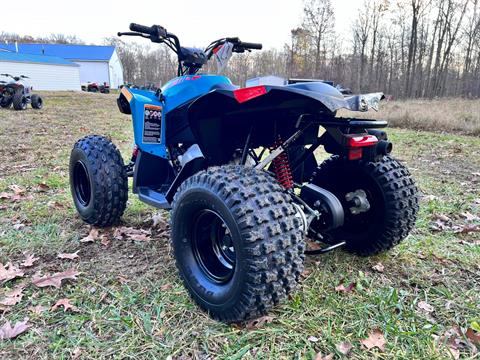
[156,31]
[253,46]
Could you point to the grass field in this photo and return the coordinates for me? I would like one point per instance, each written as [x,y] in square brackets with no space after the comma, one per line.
[422,296]
[460,116]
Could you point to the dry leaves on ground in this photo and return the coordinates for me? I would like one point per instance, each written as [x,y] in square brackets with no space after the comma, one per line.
[14,296]
[9,332]
[344,347]
[9,272]
[66,305]
[473,336]
[29,260]
[423,305]
[42,187]
[341,287]
[55,279]
[378,267]
[313,339]
[91,237]
[68,256]
[258,323]
[131,234]
[375,339]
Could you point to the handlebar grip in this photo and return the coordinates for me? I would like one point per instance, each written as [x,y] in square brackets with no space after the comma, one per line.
[252,46]
[142,29]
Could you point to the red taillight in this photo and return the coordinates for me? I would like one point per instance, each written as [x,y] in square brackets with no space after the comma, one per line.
[249,93]
[357,143]
[361,141]
[355,153]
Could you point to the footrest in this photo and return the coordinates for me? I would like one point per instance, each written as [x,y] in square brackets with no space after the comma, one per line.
[153,198]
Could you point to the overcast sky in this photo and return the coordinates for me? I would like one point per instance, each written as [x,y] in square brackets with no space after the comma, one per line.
[265,21]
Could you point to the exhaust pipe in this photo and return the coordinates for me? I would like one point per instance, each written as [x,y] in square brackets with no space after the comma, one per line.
[383,147]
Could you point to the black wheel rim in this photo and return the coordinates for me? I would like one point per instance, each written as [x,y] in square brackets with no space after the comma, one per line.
[81,183]
[213,247]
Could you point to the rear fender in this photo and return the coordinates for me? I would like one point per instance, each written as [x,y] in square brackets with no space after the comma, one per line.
[148,118]
[220,123]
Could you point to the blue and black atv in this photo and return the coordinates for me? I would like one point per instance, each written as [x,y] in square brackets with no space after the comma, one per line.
[236,168]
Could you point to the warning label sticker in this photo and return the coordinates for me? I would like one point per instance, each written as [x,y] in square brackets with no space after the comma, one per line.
[152,124]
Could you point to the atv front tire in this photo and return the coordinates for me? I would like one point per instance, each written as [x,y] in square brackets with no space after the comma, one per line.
[391,194]
[37,102]
[238,245]
[19,101]
[6,102]
[98,181]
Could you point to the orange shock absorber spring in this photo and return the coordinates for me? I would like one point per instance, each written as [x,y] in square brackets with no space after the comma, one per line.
[281,167]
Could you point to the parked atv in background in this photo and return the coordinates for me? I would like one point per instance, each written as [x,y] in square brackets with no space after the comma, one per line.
[19,94]
[94,87]
[236,168]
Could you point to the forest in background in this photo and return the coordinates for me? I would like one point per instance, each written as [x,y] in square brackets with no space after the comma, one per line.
[405,48]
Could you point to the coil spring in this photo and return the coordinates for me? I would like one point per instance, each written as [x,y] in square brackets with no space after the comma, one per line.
[281,166]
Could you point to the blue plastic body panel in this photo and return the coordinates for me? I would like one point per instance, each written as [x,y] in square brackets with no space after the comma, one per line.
[176,92]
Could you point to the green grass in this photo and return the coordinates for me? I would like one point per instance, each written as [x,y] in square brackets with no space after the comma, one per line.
[130,300]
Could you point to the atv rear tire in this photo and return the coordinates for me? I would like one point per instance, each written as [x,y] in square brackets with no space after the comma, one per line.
[37,102]
[6,102]
[98,181]
[238,245]
[19,101]
[391,193]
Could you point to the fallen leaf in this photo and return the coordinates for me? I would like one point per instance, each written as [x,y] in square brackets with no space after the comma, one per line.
[313,245]
[375,339]
[157,219]
[473,336]
[55,205]
[425,306]
[29,260]
[259,322]
[18,226]
[342,288]
[131,233]
[13,297]
[68,256]
[65,303]
[38,309]
[468,229]
[42,187]
[313,339]
[104,240]
[305,273]
[5,196]
[378,267]
[442,217]
[9,272]
[55,279]
[166,287]
[344,347]
[76,353]
[91,237]
[469,216]
[7,332]
[319,356]
[17,189]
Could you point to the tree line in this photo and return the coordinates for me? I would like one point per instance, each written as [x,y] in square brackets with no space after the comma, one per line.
[405,48]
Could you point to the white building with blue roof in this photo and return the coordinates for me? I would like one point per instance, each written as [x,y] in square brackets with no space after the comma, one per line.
[99,64]
[44,72]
